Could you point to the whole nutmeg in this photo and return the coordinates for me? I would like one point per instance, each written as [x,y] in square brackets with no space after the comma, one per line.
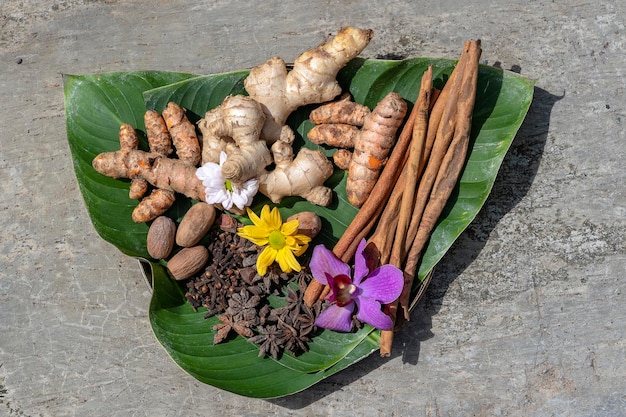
[310,223]
[195,224]
[188,262]
[160,241]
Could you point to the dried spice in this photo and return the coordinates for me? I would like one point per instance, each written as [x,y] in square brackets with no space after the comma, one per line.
[231,288]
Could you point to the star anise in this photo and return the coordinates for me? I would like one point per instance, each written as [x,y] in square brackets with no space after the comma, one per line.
[291,340]
[228,323]
[242,301]
[293,298]
[305,321]
[269,341]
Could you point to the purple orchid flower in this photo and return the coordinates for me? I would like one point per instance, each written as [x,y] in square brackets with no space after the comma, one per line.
[366,291]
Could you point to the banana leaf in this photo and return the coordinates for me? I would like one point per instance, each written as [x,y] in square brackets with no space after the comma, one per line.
[97,104]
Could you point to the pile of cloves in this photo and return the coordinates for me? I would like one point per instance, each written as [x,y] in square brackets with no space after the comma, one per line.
[231,288]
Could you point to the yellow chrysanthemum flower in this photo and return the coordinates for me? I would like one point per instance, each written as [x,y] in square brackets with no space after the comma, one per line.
[281,240]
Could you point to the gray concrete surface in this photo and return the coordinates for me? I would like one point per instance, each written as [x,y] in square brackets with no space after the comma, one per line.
[526,313]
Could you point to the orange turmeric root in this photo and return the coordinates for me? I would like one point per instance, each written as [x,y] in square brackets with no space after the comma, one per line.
[338,135]
[167,175]
[129,140]
[183,134]
[158,170]
[159,138]
[342,158]
[372,146]
[343,111]
[159,141]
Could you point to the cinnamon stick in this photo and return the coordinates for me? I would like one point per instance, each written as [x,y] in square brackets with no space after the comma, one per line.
[405,203]
[383,236]
[412,167]
[450,168]
[444,132]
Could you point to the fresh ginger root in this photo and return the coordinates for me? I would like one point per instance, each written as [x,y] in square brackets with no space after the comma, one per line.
[244,127]
[235,127]
[303,176]
[312,79]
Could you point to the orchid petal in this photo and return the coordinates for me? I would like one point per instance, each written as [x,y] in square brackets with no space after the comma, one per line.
[336,318]
[369,311]
[360,263]
[325,262]
[384,284]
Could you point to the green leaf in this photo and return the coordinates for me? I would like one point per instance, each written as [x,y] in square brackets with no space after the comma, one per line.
[96,105]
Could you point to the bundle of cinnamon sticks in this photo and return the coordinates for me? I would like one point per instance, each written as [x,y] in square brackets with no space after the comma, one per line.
[416,183]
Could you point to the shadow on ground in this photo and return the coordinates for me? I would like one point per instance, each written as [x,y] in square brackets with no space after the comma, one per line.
[514,179]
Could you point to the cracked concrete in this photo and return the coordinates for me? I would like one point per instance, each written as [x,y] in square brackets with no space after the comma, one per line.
[525,316]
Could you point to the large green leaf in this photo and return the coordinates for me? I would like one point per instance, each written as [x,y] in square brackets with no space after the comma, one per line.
[96,105]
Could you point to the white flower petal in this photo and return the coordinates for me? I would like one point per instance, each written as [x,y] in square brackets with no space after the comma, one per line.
[223,157]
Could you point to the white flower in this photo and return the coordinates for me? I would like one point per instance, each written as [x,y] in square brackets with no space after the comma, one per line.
[224,192]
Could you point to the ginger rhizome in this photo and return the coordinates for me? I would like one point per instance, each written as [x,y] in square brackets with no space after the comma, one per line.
[311,81]
[235,128]
[338,127]
[246,127]
[301,176]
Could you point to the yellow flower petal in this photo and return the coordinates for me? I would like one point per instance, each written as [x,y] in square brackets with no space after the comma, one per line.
[301,250]
[255,219]
[274,221]
[302,239]
[253,231]
[287,261]
[290,228]
[265,259]
[270,223]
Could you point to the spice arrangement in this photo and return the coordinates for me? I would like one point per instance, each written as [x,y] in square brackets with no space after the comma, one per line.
[214,186]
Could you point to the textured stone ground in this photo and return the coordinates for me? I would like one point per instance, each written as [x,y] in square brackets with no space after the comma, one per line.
[526,313]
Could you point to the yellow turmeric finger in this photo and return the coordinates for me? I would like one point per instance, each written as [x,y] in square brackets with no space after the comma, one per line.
[159,139]
[342,111]
[335,135]
[183,134]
